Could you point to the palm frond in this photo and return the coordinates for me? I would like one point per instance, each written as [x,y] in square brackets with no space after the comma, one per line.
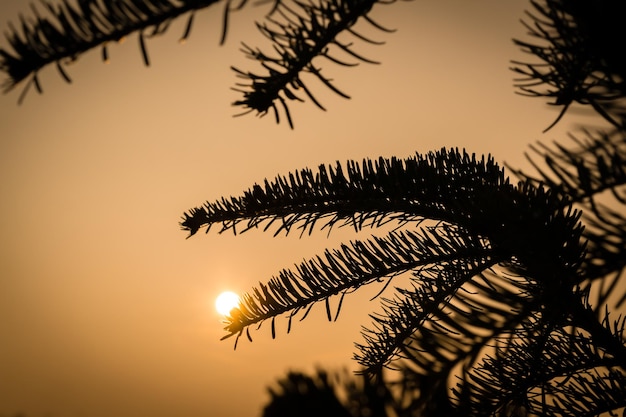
[551,372]
[301,31]
[592,172]
[451,310]
[442,185]
[72,29]
[344,270]
[457,306]
[580,60]
[606,251]
[481,220]
[600,392]
[589,166]
[456,310]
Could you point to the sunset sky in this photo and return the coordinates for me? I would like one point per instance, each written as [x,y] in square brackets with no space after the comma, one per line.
[105,308]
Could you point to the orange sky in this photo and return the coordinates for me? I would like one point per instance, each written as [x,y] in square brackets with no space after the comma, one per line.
[105,308]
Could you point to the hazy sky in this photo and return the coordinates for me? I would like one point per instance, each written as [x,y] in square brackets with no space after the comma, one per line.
[105,308]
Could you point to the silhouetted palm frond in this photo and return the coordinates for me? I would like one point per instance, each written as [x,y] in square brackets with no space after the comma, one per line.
[340,272]
[587,167]
[455,312]
[301,31]
[442,302]
[553,372]
[481,221]
[503,293]
[71,29]
[580,49]
[440,186]
[591,170]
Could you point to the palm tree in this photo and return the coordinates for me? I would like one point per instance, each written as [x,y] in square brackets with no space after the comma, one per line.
[501,274]
[508,307]
[511,306]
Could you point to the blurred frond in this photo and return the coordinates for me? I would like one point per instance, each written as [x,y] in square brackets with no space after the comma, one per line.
[587,167]
[332,394]
[606,254]
[580,48]
[549,372]
[298,394]
[72,29]
[301,31]
[451,309]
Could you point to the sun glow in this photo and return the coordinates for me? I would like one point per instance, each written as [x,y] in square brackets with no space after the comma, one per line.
[225,302]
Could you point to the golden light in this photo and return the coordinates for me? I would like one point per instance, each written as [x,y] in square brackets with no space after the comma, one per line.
[225,302]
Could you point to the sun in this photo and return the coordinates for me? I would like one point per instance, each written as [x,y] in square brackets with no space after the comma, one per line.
[225,302]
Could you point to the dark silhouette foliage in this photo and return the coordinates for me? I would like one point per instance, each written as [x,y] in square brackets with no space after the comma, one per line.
[515,279]
[581,55]
[300,32]
[332,394]
[301,395]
